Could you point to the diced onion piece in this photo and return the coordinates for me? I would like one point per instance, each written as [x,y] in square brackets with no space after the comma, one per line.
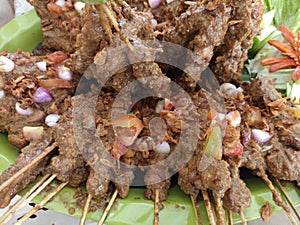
[65,73]
[54,8]
[230,89]
[79,6]
[23,112]
[60,3]
[234,118]
[57,57]
[154,3]
[261,136]
[52,119]
[213,144]
[163,148]
[33,133]
[6,65]
[42,65]
[42,95]
[169,1]
[2,94]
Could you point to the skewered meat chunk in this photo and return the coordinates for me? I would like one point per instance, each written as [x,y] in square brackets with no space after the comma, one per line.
[243,25]
[238,196]
[91,39]
[284,163]
[28,153]
[20,86]
[60,24]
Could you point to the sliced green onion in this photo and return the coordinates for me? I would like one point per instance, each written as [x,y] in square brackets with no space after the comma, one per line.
[213,144]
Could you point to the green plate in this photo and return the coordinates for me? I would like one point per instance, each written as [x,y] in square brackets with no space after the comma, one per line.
[135,210]
[24,32]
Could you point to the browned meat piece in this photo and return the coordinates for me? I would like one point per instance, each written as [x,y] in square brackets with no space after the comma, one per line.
[290,136]
[91,39]
[162,187]
[96,185]
[60,25]
[123,182]
[216,176]
[267,98]
[284,163]
[29,153]
[189,180]
[69,164]
[20,85]
[238,196]
[244,24]
[211,28]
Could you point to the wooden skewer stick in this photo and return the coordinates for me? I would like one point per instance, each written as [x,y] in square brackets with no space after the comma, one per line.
[27,167]
[16,207]
[287,198]
[278,200]
[196,211]
[208,207]
[40,205]
[156,208]
[244,222]
[85,210]
[230,221]
[111,17]
[221,212]
[106,211]
[24,201]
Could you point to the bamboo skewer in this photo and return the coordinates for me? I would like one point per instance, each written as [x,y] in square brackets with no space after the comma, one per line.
[244,222]
[287,198]
[220,211]
[27,167]
[106,211]
[208,207]
[85,210]
[20,203]
[156,208]
[230,221]
[23,201]
[279,200]
[43,202]
[196,211]
[107,11]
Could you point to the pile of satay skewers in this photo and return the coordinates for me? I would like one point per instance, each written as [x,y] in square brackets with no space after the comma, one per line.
[258,130]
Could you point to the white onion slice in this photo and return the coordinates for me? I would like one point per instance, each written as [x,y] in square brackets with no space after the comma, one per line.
[6,65]
[261,136]
[23,112]
[33,133]
[60,3]
[163,148]
[41,65]
[2,94]
[79,7]
[51,120]
[234,118]
[154,3]
[65,73]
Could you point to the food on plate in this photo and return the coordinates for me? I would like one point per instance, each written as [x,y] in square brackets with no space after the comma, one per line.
[256,129]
